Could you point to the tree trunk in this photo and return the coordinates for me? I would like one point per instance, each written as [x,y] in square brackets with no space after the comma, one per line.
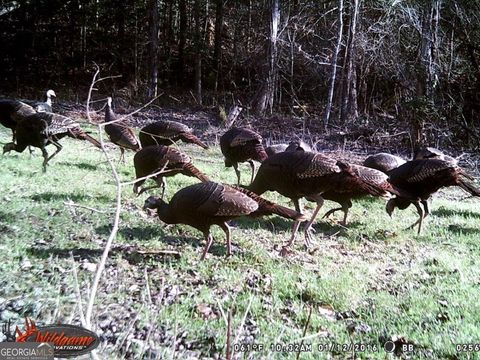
[198,53]
[428,77]
[217,53]
[333,73]
[266,95]
[181,41]
[429,49]
[153,19]
[349,99]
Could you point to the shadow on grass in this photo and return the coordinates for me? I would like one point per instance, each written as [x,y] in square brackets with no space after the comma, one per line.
[82,165]
[142,233]
[51,196]
[148,232]
[460,230]
[7,218]
[444,212]
[272,223]
[131,253]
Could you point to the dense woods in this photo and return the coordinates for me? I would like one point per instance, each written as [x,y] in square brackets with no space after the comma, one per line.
[391,63]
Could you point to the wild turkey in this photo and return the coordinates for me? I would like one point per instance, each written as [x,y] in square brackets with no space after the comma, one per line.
[41,129]
[296,145]
[240,145]
[153,158]
[205,204]
[344,194]
[433,153]
[47,105]
[11,111]
[119,133]
[167,132]
[422,178]
[275,149]
[383,162]
[299,174]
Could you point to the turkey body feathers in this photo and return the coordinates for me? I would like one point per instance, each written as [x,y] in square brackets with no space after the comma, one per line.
[383,162]
[300,174]
[419,179]
[168,132]
[153,158]
[206,204]
[118,132]
[11,111]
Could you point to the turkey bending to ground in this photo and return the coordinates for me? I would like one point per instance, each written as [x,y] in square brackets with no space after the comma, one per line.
[47,105]
[119,133]
[344,195]
[422,178]
[383,162]
[206,204]
[240,145]
[167,132]
[11,111]
[41,129]
[298,174]
[433,153]
[296,145]
[170,161]
[275,149]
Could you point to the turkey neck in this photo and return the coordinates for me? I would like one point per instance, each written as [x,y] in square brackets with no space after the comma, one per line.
[109,114]
[164,213]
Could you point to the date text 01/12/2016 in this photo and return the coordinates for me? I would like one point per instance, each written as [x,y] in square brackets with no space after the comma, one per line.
[305,347]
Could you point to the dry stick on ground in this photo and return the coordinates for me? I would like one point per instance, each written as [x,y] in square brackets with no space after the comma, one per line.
[305,331]
[229,354]
[77,291]
[72,204]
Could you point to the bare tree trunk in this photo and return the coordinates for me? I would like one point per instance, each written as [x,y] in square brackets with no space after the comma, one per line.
[182,4]
[349,99]
[429,49]
[428,77]
[153,9]
[333,74]
[266,95]
[217,53]
[198,53]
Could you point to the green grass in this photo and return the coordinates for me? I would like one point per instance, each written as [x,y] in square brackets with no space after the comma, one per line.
[368,283]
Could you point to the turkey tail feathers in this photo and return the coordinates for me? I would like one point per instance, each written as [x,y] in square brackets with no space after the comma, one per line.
[195,172]
[467,184]
[195,140]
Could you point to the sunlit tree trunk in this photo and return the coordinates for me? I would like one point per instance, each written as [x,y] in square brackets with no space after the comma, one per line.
[182,40]
[153,19]
[266,95]
[217,54]
[198,52]
[349,110]
[333,73]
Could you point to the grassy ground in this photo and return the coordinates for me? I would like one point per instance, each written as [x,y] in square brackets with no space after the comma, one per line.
[365,284]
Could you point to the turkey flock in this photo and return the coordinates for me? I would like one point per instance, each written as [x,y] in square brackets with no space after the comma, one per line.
[293,170]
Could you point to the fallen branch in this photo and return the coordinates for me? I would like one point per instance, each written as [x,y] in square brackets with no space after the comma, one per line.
[305,331]
[72,204]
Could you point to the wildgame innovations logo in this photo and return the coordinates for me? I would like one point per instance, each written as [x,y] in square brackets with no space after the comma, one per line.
[62,340]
